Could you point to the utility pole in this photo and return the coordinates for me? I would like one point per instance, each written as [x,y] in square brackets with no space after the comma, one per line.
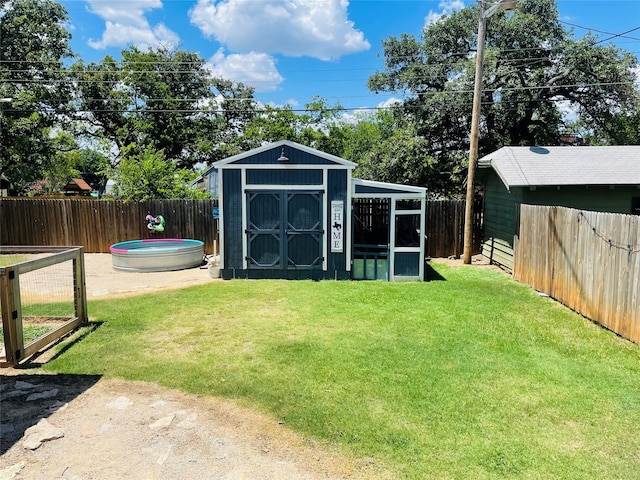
[507,5]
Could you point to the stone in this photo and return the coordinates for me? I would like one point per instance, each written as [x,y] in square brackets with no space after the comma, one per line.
[120,403]
[5,428]
[42,395]
[20,385]
[41,432]
[163,422]
[14,393]
[9,473]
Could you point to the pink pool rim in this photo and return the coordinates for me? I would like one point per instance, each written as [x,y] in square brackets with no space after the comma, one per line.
[157,255]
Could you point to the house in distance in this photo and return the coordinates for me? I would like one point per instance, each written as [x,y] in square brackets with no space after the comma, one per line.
[601,179]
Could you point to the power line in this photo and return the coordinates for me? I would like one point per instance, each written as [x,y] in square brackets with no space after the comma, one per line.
[216,109]
[216,101]
[615,35]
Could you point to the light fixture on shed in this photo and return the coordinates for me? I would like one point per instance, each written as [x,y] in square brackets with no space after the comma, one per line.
[282,157]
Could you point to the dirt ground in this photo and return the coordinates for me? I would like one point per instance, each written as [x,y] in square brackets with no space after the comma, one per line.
[84,427]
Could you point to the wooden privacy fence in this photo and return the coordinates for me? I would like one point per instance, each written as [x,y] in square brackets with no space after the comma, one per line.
[589,261]
[445,227]
[98,224]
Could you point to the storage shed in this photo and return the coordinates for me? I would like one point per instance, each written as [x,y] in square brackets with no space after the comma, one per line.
[77,186]
[602,179]
[290,211]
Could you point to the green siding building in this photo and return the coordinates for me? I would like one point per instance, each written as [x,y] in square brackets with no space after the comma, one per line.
[603,179]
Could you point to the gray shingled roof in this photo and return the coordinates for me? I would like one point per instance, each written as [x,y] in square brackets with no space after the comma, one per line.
[539,166]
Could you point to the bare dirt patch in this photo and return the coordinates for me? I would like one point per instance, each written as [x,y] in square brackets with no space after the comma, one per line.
[112,429]
[476,261]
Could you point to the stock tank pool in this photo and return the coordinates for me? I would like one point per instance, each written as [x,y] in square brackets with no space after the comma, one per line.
[157,255]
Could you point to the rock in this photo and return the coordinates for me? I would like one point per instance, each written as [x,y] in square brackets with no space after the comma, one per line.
[14,393]
[42,395]
[163,422]
[20,385]
[9,473]
[41,432]
[5,428]
[120,403]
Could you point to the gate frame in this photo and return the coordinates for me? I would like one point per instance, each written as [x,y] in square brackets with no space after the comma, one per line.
[11,300]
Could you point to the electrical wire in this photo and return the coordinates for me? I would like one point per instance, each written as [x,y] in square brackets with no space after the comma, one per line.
[609,241]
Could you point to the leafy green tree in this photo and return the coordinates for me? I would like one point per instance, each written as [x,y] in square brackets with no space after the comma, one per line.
[312,127]
[149,174]
[624,129]
[163,100]
[531,64]
[33,86]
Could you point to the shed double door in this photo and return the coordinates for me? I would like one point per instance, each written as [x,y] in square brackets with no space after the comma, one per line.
[284,230]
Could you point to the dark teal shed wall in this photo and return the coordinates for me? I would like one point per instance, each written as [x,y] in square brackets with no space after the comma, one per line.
[232,217]
[283,175]
[270,157]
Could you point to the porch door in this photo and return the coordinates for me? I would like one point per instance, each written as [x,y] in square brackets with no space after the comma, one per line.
[284,230]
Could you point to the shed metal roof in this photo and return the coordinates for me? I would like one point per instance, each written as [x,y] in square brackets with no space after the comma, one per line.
[242,157]
[364,187]
[551,166]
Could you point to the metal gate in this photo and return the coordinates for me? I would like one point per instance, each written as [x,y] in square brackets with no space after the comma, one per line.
[284,230]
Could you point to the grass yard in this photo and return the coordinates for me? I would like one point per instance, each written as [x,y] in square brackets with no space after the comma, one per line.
[472,377]
[13,258]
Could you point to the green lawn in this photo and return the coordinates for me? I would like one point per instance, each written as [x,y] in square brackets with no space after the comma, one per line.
[472,377]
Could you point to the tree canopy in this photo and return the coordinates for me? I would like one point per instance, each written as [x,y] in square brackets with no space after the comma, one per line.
[533,69]
[166,100]
[33,86]
[157,115]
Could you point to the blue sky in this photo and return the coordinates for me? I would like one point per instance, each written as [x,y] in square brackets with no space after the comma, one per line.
[293,50]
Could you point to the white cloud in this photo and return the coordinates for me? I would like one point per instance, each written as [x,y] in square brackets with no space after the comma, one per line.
[255,69]
[125,23]
[319,28]
[447,6]
[389,102]
[568,111]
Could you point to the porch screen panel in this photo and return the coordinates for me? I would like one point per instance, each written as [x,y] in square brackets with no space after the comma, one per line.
[304,230]
[264,246]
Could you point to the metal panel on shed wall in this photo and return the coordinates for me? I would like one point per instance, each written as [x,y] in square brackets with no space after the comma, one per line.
[233,224]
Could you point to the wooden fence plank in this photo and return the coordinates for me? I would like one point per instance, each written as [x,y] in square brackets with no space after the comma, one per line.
[98,224]
[589,261]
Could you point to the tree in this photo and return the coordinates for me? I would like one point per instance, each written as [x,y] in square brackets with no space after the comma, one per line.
[33,86]
[531,65]
[163,100]
[312,127]
[149,174]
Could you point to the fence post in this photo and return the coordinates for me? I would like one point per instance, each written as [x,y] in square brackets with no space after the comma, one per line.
[11,315]
[80,287]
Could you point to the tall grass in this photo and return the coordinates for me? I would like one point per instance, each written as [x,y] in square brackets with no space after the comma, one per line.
[472,377]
